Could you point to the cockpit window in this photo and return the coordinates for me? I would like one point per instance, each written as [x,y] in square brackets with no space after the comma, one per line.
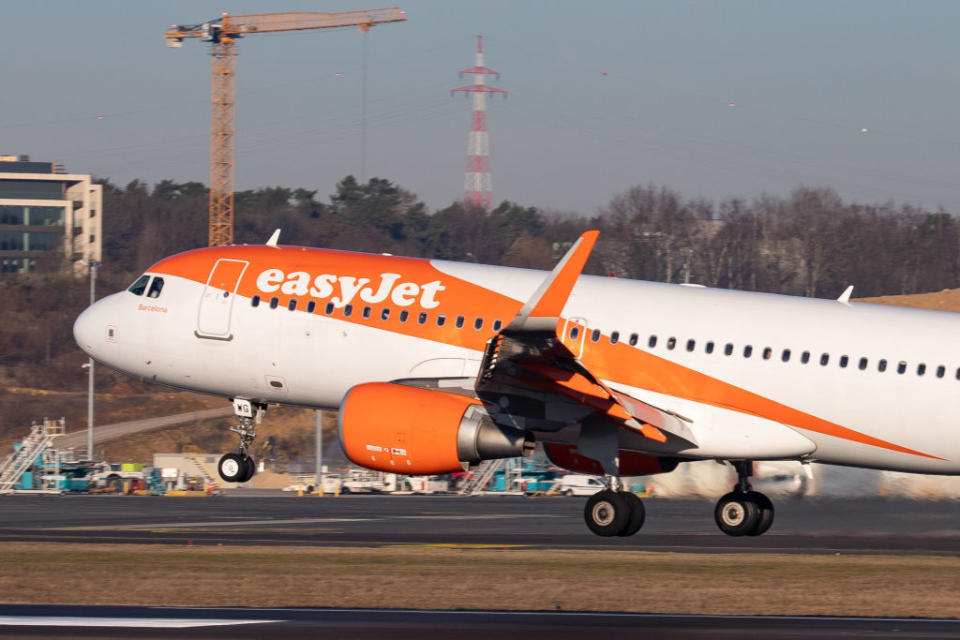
[155,288]
[138,287]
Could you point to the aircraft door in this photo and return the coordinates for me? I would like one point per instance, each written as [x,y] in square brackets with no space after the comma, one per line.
[574,333]
[216,305]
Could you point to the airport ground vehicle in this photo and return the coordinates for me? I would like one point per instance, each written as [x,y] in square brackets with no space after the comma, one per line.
[580,485]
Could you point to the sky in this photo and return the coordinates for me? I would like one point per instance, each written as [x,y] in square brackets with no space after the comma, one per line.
[712,99]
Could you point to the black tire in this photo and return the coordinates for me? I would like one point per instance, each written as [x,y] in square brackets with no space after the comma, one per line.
[637,514]
[736,514]
[607,513]
[250,468]
[231,468]
[115,483]
[766,512]
[568,492]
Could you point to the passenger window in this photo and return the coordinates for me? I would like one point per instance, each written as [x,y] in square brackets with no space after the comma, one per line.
[958,374]
[708,347]
[728,350]
[366,312]
[157,286]
[824,359]
[422,317]
[460,320]
[348,311]
[292,304]
[274,301]
[691,344]
[671,342]
[404,314]
[881,366]
[255,301]
[633,339]
[785,356]
[478,324]
[941,370]
[614,337]
[595,335]
[921,369]
[574,332]
[497,324]
[441,319]
[385,314]
[328,309]
[767,352]
[805,357]
[138,287]
[863,364]
[844,361]
[652,342]
[747,351]
[901,367]
[311,306]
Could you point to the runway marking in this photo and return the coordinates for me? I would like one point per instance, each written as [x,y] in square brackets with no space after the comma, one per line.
[483,516]
[123,623]
[181,525]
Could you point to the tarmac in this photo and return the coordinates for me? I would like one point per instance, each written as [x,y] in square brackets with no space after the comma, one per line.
[243,516]
[251,517]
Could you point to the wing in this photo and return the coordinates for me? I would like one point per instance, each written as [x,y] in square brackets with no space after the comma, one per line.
[529,360]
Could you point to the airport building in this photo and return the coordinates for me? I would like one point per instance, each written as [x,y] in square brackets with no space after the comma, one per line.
[48,218]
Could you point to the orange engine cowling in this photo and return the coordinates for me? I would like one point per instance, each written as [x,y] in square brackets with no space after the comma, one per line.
[632,463]
[392,427]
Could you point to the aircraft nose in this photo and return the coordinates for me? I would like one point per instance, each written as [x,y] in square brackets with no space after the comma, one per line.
[87,329]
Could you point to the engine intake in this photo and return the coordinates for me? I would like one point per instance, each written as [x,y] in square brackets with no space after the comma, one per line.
[392,427]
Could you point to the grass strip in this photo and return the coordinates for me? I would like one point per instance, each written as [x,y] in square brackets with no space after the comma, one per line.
[480,578]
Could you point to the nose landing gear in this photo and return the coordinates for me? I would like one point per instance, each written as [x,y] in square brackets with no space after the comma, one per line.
[744,512]
[240,466]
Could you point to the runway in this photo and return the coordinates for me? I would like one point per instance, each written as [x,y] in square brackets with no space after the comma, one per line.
[46,621]
[245,517]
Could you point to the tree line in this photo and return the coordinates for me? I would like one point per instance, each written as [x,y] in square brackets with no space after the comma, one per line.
[810,243]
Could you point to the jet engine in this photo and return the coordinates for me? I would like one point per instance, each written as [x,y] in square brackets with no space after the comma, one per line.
[632,463]
[392,427]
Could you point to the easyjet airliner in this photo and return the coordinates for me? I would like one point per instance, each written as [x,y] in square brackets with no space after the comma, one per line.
[436,366]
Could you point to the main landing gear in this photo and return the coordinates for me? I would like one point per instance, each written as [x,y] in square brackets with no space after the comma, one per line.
[613,511]
[240,466]
[744,512]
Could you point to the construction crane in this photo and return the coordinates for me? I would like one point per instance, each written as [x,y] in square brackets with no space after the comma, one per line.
[222,34]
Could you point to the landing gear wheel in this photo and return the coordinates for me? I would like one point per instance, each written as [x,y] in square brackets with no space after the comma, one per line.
[737,515]
[232,468]
[766,512]
[607,513]
[637,514]
[249,468]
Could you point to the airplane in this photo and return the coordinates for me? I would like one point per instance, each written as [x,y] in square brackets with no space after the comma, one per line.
[436,366]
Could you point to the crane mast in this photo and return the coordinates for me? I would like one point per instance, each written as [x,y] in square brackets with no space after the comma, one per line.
[222,35]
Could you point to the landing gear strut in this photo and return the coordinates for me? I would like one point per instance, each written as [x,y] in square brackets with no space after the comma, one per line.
[613,511]
[744,512]
[240,466]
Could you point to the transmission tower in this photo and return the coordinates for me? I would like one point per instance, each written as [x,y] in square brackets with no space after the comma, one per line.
[477,183]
